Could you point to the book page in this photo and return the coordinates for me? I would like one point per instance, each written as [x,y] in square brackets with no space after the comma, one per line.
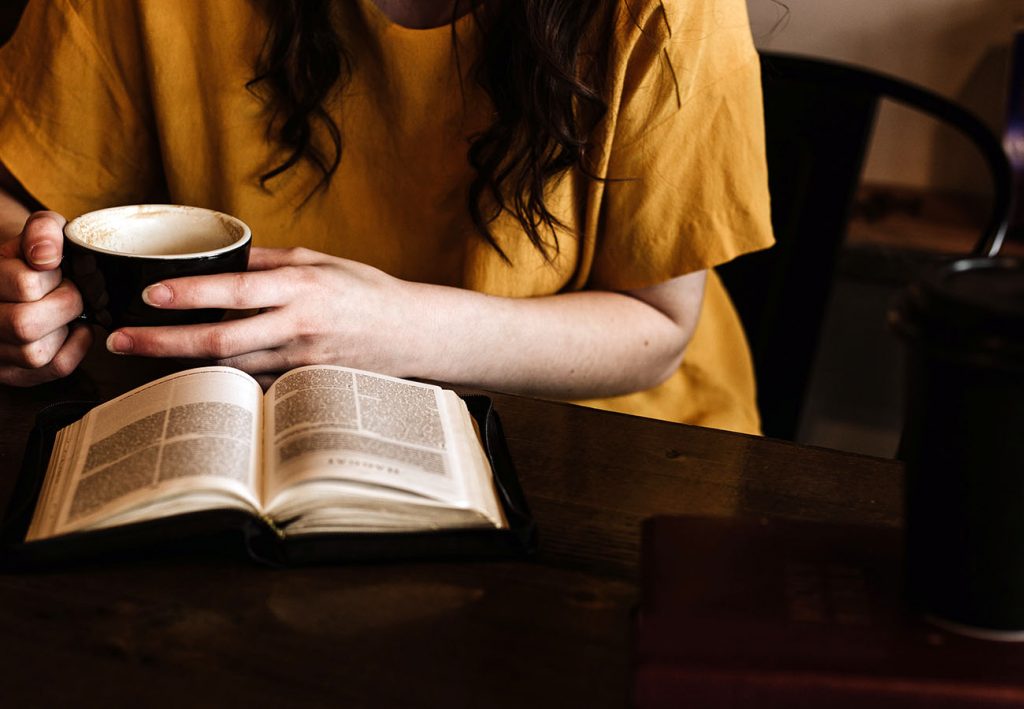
[480,487]
[332,424]
[141,455]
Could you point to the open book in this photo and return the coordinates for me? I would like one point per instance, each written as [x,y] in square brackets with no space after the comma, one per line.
[327,450]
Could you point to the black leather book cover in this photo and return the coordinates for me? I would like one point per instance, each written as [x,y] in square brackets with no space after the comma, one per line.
[237,533]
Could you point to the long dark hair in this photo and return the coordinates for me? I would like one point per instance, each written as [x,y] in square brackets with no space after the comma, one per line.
[543,72]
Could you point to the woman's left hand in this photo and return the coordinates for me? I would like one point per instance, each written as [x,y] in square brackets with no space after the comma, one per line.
[310,308]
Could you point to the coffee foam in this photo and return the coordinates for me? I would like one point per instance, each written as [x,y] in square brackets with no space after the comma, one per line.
[165,231]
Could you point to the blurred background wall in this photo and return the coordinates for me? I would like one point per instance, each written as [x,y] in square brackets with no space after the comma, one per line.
[958,48]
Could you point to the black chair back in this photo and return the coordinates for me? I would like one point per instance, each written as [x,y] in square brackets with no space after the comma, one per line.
[818,119]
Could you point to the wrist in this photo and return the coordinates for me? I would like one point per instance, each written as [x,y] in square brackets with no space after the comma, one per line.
[419,328]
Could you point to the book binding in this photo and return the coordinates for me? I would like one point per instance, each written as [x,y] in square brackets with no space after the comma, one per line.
[240,534]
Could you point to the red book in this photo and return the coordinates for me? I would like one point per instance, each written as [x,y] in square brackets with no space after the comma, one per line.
[786,614]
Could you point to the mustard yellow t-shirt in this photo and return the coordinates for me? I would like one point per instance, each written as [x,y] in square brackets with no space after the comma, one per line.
[131,101]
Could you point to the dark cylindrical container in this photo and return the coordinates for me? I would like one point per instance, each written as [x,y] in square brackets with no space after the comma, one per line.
[963,444]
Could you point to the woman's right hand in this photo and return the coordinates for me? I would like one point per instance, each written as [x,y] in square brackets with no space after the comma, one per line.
[39,341]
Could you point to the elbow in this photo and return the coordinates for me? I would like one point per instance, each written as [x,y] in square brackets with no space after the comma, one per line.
[671,368]
[664,356]
[669,361]
[677,304]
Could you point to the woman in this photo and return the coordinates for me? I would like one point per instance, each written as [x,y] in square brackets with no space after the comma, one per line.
[524,196]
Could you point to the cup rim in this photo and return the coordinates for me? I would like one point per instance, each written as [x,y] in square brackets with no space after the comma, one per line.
[246,231]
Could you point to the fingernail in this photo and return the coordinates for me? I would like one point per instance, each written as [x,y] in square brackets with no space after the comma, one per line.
[157,294]
[43,254]
[119,343]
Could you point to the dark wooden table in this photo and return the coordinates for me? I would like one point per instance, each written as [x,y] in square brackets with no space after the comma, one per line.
[551,631]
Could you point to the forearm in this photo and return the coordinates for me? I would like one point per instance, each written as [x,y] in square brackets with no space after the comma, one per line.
[314,308]
[570,346]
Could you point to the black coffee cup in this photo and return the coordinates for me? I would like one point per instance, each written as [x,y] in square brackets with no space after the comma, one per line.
[112,255]
[963,444]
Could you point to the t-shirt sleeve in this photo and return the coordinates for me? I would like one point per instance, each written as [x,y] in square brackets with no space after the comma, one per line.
[687,178]
[75,123]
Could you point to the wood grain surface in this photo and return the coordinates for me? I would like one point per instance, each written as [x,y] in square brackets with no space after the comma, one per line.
[550,631]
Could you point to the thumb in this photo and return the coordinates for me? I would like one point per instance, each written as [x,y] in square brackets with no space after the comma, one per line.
[42,240]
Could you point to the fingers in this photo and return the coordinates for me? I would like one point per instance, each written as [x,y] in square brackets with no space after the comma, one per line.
[262,362]
[42,240]
[262,259]
[29,263]
[23,323]
[21,284]
[64,361]
[233,291]
[34,354]
[274,278]
[220,341]
[36,306]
